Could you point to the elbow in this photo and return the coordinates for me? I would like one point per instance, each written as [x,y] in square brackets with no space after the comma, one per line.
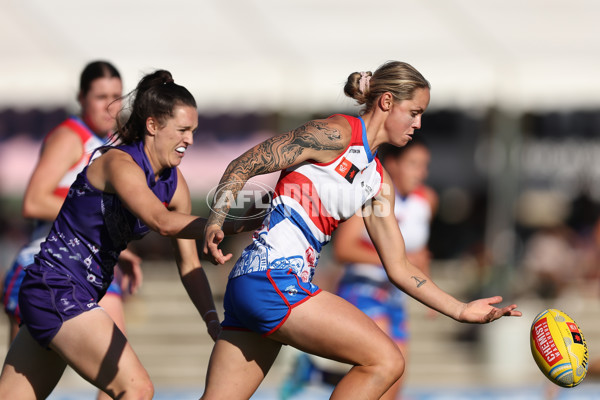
[164,228]
[338,255]
[163,231]
[161,225]
[28,209]
[169,226]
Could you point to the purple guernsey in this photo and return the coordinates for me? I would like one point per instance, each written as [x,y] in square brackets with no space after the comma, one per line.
[93,227]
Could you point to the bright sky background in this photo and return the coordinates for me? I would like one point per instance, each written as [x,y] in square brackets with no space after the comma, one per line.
[244,55]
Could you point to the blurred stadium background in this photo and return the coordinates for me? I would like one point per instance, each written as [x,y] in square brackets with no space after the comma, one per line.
[513,126]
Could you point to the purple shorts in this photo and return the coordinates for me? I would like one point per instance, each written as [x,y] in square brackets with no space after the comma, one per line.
[261,301]
[16,273]
[48,298]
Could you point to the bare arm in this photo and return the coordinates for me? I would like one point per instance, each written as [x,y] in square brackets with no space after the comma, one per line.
[61,150]
[387,238]
[319,140]
[116,172]
[193,276]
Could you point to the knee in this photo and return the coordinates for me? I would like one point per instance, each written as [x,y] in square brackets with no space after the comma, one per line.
[144,390]
[391,365]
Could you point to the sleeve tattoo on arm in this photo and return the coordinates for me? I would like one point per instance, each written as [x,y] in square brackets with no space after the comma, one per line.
[273,155]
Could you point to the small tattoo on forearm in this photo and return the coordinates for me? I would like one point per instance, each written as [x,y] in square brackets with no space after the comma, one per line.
[420,282]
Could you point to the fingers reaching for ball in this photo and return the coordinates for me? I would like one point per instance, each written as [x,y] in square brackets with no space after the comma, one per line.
[482,311]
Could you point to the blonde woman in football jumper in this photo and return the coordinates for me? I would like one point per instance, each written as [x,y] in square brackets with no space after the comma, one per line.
[329,172]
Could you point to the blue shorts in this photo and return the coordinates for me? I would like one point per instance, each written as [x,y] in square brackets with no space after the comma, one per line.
[48,298]
[14,276]
[115,288]
[379,301]
[261,301]
[10,291]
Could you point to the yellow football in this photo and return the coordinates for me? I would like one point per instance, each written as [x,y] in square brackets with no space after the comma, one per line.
[559,348]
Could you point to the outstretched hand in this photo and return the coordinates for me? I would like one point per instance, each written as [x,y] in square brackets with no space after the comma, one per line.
[482,311]
[213,236]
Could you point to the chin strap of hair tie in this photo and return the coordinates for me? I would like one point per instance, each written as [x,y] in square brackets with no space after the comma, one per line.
[363,83]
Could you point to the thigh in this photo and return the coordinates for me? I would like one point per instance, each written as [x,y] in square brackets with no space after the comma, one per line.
[94,346]
[112,303]
[30,371]
[239,362]
[331,327]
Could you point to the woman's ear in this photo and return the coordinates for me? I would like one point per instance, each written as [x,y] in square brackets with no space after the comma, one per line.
[151,126]
[386,101]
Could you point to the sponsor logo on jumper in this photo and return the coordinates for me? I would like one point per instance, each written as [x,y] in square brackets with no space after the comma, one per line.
[346,169]
[355,151]
[343,167]
[544,343]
